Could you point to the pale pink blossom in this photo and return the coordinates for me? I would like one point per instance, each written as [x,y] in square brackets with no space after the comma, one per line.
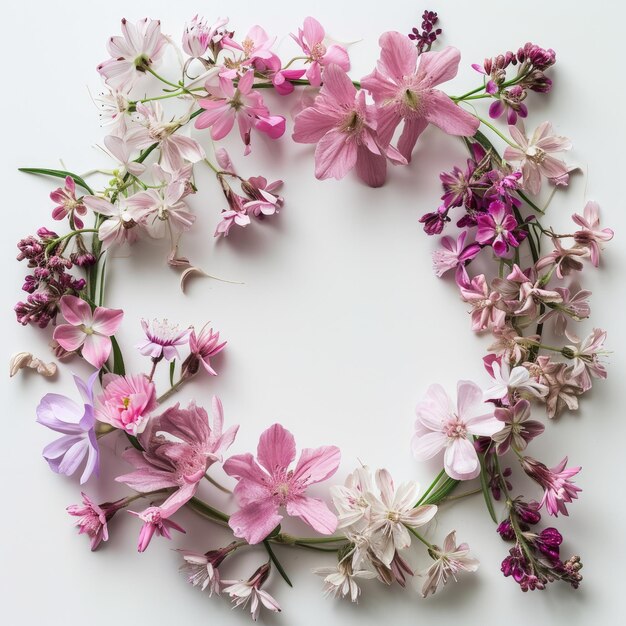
[585,355]
[453,253]
[339,581]
[114,107]
[67,203]
[263,199]
[311,39]
[564,389]
[535,158]
[559,489]
[198,35]
[591,236]
[349,499]
[141,45]
[256,45]
[449,561]
[441,426]
[124,150]
[201,570]
[402,86]
[227,104]
[119,227]
[343,128]
[573,306]
[126,402]
[161,339]
[565,259]
[516,380]
[266,486]
[392,513]
[93,518]
[487,312]
[86,329]
[244,591]
[178,448]
[154,522]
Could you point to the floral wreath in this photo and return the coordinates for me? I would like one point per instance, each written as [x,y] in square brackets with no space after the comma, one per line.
[354,125]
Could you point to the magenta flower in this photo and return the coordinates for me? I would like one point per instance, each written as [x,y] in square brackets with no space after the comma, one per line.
[590,234]
[535,157]
[227,104]
[559,490]
[154,522]
[93,518]
[453,253]
[344,129]
[88,330]
[178,447]
[440,426]
[402,88]
[263,489]
[311,39]
[497,228]
[161,340]
[126,402]
[140,46]
[203,346]
[281,78]
[67,203]
[77,424]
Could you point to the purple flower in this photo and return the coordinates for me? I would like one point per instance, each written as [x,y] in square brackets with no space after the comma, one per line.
[496,228]
[161,340]
[434,222]
[77,425]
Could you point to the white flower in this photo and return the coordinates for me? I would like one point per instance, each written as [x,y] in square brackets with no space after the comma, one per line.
[339,581]
[516,379]
[448,562]
[200,572]
[392,513]
[244,591]
[350,500]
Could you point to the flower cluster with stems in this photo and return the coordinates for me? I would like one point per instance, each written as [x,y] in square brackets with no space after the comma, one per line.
[370,525]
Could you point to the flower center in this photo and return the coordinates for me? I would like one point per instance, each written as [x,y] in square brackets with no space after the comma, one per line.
[455,428]
[126,402]
[393,516]
[248,46]
[352,123]
[536,155]
[88,330]
[318,51]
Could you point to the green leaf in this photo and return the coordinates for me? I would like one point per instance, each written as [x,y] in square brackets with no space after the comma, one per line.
[118,360]
[172,367]
[134,441]
[58,174]
[485,487]
[276,562]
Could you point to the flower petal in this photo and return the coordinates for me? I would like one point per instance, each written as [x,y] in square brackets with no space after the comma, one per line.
[314,512]
[276,449]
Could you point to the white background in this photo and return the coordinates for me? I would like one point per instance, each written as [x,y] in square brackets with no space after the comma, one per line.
[338,330]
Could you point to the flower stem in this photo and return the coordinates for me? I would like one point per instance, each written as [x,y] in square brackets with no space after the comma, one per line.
[432,486]
[163,80]
[416,534]
[216,484]
[495,130]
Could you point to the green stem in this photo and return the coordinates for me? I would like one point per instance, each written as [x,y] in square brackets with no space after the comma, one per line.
[207,510]
[462,495]
[276,562]
[495,130]
[216,484]
[163,80]
[432,486]
[416,534]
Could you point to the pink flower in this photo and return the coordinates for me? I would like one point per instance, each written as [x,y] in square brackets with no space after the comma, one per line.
[264,201]
[93,518]
[67,203]
[154,522]
[559,490]
[586,358]
[227,104]
[453,253]
[565,259]
[513,380]
[198,35]
[119,228]
[201,570]
[244,591]
[88,330]
[497,228]
[256,45]
[344,129]
[487,312]
[402,88]
[535,156]
[203,346]
[140,46]
[126,402]
[339,580]
[263,489]
[440,426]
[161,340]
[518,429]
[178,448]
[311,39]
[281,78]
[449,561]
[591,236]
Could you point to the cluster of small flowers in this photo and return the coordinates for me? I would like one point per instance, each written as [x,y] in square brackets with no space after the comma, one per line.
[50,279]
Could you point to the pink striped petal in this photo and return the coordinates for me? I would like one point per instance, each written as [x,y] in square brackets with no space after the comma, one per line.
[96,349]
[75,310]
[69,337]
[314,512]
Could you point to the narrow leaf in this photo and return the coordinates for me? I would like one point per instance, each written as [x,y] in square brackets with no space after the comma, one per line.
[484,484]
[276,562]
[58,174]
[118,360]
[172,367]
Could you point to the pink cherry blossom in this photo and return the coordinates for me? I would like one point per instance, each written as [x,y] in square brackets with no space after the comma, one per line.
[126,402]
[140,46]
[590,234]
[227,104]
[311,39]
[67,203]
[178,448]
[402,86]
[453,253]
[440,426]
[535,156]
[90,331]
[344,129]
[266,486]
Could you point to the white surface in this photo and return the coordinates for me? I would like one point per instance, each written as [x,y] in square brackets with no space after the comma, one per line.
[338,330]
